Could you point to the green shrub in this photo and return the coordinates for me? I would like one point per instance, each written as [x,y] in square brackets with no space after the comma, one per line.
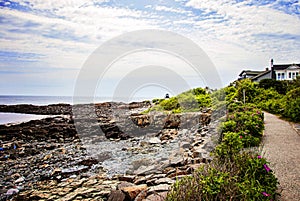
[170,104]
[257,180]
[231,94]
[275,106]
[231,144]
[244,177]
[233,174]
[250,88]
[189,101]
[279,86]
[157,100]
[292,106]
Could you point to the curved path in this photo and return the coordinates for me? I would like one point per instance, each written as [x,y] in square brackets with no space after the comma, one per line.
[282,150]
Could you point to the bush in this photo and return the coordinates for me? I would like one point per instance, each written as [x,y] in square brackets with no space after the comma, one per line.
[279,86]
[250,88]
[170,104]
[234,174]
[292,106]
[231,144]
[275,106]
[189,101]
[258,180]
[244,177]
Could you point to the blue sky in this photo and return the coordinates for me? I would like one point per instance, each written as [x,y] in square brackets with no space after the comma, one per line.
[45,43]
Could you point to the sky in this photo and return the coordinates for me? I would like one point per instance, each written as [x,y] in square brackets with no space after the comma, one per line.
[45,43]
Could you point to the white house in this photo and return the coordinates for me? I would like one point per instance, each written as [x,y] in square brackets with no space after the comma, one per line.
[286,71]
[277,72]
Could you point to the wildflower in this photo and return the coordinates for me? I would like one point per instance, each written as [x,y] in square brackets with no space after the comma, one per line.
[265,194]
[267,168]
[259,157]
[241,137]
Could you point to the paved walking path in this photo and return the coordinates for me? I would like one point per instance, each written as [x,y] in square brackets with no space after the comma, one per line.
[282,150]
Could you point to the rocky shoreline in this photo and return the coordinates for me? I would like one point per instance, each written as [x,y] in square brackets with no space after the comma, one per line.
[119,155]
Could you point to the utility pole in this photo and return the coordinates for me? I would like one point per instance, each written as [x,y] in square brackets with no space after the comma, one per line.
[244,96]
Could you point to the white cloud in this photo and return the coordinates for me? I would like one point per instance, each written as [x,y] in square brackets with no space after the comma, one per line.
[170,9]
[235,35]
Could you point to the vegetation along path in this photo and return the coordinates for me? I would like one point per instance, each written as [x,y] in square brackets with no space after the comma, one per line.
[282,149]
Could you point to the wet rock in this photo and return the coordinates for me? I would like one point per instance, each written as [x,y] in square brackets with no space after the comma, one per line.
[53,109]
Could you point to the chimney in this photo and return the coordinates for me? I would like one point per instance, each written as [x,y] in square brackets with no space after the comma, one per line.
[272,62]
[267,69]
[273,76]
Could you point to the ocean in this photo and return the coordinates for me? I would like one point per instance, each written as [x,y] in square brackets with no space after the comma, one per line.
[13,118]
[6,118]
[35,100]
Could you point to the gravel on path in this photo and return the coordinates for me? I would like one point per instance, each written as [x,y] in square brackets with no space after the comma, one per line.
[281,147]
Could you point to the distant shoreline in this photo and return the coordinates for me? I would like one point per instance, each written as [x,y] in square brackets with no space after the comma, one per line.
[49,100]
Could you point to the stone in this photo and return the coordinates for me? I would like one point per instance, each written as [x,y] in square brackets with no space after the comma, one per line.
[176,161]
[118,195]
[20,180]
[144,170]
[46,157]
[178,173]
[197,143]
[164,181]
[142,180]
[56,171]
[205,119]
[12,191]
[133,191]
[173,121]
[185,145]
[157,197]
[128,178]
[141,196]
[158,188]
[124,184]
[154,140]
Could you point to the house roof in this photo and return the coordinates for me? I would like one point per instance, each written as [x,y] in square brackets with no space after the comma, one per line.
[260,75]
[284,66]
[250,72]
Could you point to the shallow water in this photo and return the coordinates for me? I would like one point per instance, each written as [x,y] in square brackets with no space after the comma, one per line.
[14,118]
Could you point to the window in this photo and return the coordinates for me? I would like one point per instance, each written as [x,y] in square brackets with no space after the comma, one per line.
[293,75]
[297,73]
[290,75]
[282,76]
[278,76]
